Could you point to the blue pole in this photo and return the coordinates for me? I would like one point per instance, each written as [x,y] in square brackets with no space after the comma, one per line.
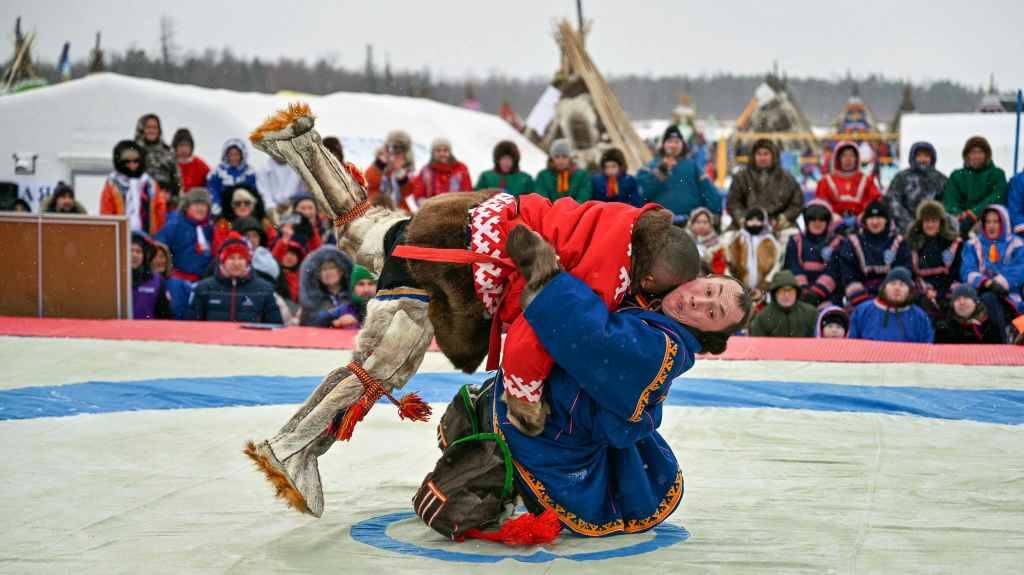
[1016,139]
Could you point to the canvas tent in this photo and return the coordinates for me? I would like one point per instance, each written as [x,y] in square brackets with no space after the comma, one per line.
[68,131]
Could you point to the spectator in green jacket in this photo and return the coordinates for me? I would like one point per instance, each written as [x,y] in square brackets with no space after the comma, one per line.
[975,186]
[562,178]
[506,175]
[786,315]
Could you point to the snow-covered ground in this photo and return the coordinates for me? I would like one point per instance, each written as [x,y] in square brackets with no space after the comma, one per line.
[867,489]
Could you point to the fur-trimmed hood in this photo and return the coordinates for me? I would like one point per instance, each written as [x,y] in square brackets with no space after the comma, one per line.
[234,143]
[766,144]
[311,291]
[140,129]
[120,167]
[1005,230]
[840,146]
[922,147]
[506,148]
[977,142]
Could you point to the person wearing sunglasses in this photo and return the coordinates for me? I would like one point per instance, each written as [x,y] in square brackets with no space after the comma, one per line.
[130,191]
[241,201]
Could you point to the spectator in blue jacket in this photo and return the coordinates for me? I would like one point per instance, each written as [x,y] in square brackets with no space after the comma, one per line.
[234,293]
[234,170]
[189,235]
[613,184]
[892,315]
[675,182]
[1015,203]
[993,264]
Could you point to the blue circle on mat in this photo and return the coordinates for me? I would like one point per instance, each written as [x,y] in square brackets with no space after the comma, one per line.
[373,532]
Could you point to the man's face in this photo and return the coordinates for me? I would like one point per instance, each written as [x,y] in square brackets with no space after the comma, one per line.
[183,151]
[442,154]
[708,303]
[923,158]
[701,225]
[930,227]
[138,256]
[875,224]
[561,162]
[993,225]
[235,266]
[253,238]
[976,158]
[763,158]
[897,292]
[198,211]
[817,227]
[964,307]
[234,157]
[673,146]
[785,297]
[366,288]
[847,160]
[66,204]
[611,170]
[834,330]
[159,263]
[151,131]
[308,210]
[505,164]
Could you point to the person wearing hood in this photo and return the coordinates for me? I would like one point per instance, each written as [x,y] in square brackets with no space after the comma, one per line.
[993,264]
[701,228]
[764,184]
[241,201]
[935,255]
[975,186]
[234,293]
[753,253]
[161,164]
[189,235]
[444,174]
[612,183]
[234,170]
[847,190]
[966,320]
[1015,203]
[149,294]
[675,182]
[812,255]
[833,322]
[919,183]
[178,290]
[392,171]
[324,290]
[506,175]
[869,254]
[892,315]
[192,168]
[130,191]
[562,179]
[786,315]
[62,201]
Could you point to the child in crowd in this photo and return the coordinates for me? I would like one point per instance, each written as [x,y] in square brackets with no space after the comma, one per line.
[833,322]
[700,227]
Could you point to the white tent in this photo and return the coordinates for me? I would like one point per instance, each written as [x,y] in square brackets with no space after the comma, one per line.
[70,129]
[948,132]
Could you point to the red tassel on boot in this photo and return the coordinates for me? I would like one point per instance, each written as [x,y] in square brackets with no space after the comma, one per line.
[527,529]
[413,407]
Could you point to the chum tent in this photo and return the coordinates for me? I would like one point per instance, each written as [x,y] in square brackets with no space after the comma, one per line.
[68,131]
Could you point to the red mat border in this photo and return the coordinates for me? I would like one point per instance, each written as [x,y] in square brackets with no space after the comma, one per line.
[740,348]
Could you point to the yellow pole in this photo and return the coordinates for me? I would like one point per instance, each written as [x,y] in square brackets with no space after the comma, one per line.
[723,161]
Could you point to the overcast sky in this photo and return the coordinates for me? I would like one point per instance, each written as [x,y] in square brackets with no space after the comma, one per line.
[959,40]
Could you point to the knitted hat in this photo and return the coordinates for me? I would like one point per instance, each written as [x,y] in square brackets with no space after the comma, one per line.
[561,148]
[964,290]
[672,131]
[183,136]
[195,196]
[235,244]
[901,274]
[876,209]
[836,316]
[63,189]
[359,273]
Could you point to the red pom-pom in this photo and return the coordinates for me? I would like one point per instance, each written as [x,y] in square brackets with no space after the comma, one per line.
[527,529]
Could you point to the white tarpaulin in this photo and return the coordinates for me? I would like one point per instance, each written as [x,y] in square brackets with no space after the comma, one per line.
[949,132]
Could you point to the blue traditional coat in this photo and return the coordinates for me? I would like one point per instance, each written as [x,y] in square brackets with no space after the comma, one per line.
[600,463]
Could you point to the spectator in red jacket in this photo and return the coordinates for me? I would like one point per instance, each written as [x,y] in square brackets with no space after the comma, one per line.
[845,187]
[443,174]
[193,169]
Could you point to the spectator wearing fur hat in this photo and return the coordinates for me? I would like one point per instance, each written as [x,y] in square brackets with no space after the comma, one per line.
[149,294]
[233,170]
[993,264]
[241,201]
[62,201]
[392,171]
[130,191]
[189,235]
[674,181]
[966,320]
[935,256]
[444,174]
[869,254]
[159,158]
[785,315]
[753,253]
[918,183]
[612,183]
[324,289]
[812,255]
[701,228]
[506,175]
[764,184]
[892,315]
[848,190]
[192,168]
[975,186]
[562,179]
[178,290]
[833,322]
[234,293]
